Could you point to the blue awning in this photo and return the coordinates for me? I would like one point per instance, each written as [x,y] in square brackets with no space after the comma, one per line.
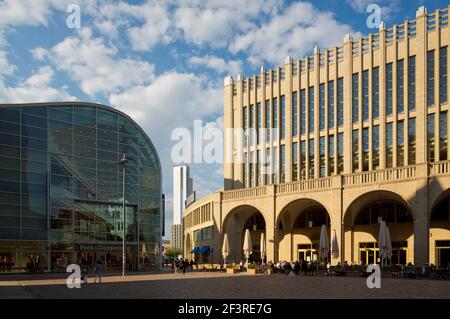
[204,249]
[195,250]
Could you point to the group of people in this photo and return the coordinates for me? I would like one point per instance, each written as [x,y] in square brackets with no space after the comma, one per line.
[183,265]
[6,264]
[33,264]
[87,269]
[294,267]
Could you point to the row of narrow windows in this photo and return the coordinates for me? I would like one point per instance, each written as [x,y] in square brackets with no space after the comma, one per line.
[331,152]
[305,109]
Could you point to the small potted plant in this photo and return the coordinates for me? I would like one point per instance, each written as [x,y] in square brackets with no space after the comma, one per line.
[251,269]
[231,269]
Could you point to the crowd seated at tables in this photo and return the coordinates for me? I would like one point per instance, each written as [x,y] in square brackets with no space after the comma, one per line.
[308,268]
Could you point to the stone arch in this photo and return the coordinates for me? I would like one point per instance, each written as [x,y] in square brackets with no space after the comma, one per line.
[361,227]
[359,202]
[234,225]
[298,229]
[439,221]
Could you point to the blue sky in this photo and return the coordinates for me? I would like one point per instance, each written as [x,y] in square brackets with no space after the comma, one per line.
[163,62]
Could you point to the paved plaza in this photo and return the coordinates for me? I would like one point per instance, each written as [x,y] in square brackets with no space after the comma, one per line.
[218,286]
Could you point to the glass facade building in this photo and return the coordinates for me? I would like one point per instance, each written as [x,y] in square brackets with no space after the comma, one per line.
[61,188]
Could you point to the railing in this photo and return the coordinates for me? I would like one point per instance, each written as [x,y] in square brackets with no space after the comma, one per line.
[244,193]
[306,185]
[364,178]
[380,176]
[440,168]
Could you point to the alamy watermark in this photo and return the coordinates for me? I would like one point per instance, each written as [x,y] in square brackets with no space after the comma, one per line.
[74,279]
[374,19]
[374,280]
[73,20]
[211,145]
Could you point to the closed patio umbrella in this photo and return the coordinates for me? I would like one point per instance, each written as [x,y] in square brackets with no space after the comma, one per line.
[263,247]
[388,244]
[382,242]
[334,246]
[248,248]
[225,248]
[324,246]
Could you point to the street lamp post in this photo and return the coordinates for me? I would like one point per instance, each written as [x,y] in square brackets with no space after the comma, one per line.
[123,161]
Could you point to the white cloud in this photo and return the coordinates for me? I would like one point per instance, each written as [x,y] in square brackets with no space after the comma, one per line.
[36,88]
[5,67]
[173,100]
[294,32]
[154,30]
[216,22]
[95,65]
[216,64]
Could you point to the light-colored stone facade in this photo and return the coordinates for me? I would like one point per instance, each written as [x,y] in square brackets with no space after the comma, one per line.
[402,172]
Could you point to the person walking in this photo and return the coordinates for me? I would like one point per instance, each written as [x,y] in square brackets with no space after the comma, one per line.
[98,272]
[184,265]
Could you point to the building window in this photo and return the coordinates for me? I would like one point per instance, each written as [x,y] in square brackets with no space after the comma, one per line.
[365,95]
[283,164]
[340,149]
[275,120]
[412,83]
[376,93]
[430,137]
[376,147]
[400,86]
[283,117]
[365,149]
[252,169]
[430,78]
[258,123]
[331,104]
[303,160]
[252,125]
[311,158]
[400,143]
[303,112]
[275,165]
[267,165]
[322,106]
[411,141]
[268,121]
[340,102]
[245,173]
[245,126]
[322,156]
[294,114]
[443,75]
[259,168]
[355,150]
[355,98]
[389,89]
[331,155]
[311,109]
[389,154]
[443,136]
[295,162]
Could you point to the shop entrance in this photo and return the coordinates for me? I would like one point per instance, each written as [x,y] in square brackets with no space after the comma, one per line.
[443,253]
[306,252]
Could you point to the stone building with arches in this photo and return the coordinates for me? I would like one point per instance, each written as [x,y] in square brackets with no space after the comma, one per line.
[344,138]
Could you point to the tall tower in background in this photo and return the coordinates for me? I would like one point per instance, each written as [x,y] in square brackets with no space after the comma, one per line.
[182,189]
